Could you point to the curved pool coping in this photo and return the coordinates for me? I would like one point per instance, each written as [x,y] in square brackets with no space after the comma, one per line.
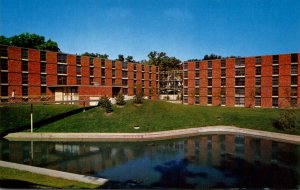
[161,135]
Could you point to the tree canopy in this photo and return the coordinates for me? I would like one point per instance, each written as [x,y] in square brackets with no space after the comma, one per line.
[102,56]
[28,40]
[163,61]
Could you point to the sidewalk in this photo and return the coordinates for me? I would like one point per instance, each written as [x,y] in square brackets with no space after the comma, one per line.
[162,135]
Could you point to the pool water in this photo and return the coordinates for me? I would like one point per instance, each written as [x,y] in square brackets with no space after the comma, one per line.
[212,161]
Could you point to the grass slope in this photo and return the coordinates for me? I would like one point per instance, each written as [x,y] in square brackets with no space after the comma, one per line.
[12,178]
[159,116]
[18,116]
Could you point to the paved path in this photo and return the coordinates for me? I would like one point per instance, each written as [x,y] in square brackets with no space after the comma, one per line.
[54,173]
[151,136]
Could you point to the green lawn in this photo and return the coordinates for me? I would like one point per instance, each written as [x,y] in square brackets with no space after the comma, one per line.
[12,178]
[159,115]
[16,116]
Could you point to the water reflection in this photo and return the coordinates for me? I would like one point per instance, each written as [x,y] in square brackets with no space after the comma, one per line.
[215,161]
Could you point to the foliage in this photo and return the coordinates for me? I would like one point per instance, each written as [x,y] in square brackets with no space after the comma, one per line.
[120,99]
[129,58]
[102,56]
[28,40]
[164,62]
[138,97]
[105,103]
[286,120]
[211,57]
[121,57]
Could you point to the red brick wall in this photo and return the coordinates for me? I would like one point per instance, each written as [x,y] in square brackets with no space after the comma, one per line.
[230,82]
[85,70]
[71,70]
[284,81]
[130,79]
[266,81]
[191,82]
[216,82]
[250,82]
[203,83]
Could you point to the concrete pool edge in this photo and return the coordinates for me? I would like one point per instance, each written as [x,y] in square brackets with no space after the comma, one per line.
[54,173]
[162,135]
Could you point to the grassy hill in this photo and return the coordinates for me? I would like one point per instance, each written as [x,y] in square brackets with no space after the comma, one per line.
[159,116]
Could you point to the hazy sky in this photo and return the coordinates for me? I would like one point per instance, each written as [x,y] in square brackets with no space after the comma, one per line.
[185,29]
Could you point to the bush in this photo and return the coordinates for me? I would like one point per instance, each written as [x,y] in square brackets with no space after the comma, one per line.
[106,104]
[120,99]
[286,120]
[138,98]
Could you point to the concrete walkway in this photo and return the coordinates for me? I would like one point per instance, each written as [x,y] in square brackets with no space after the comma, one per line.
[54,173]
[151,136]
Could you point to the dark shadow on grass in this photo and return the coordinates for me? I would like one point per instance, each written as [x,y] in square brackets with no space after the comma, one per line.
[19,184]
[39,124]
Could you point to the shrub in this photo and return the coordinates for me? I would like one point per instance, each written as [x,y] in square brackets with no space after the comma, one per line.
[138,98]
[286,120]
[106,104]
[120,99]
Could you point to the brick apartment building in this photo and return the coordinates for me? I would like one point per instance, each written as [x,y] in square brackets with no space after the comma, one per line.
[262,81]
[34,75]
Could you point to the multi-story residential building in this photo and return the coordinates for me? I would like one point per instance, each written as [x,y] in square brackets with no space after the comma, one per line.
[34,75]
[262,81]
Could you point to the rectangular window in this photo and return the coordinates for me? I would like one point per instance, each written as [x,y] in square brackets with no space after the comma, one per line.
[197,65]
[240,91]
[103,81]
[43,79]
[91,71]
[24,90]
[294,80]
[257,101]
[143,67]
[209,64]
[24,53]
[62,58]
[102,62]
[91,80]
[91,61]
[143,75]
[239,81]
[113,64]
[134,75]
[257,81]
[240,62]
[78,60]
[275,59]
[4,78]
[113,73]
[209,91]
[223,81]
[4,90]
[275,81]
[185,83]
[78,80]
[275,102]
[43,90]
[209,100]
[257,91]
[125,91]
[223,72]
[257,60]
[185,74]
[223,91]
[294,69]
[209,73]
[275,70]
[43,67]
[185,65]
[3,51]
[113,82]
[197,82]
[197,100]
[185,99]
[24,65]
[124,82]
[209,82]
[3,64]
[103,72]
[61,80]
[150,76]
[24,78]
[150,69]
[197,74]
[124,74]
[258,70]
[274,91]
[124,65]
[185,91]
[240,71]
[223,63]
[294,58]
[294,91]
[42,55]
[239,101]
[197,91]
[143,84]
[78,70]
[134,67]
[223,100]
[61,69]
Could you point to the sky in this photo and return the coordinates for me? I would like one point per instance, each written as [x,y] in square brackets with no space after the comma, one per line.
[186,29]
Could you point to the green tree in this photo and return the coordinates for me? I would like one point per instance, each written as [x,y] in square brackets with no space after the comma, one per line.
[120,57]
[129,58]
[163,61]
[120,99]
[28,40]
[211,57]
[102,56]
